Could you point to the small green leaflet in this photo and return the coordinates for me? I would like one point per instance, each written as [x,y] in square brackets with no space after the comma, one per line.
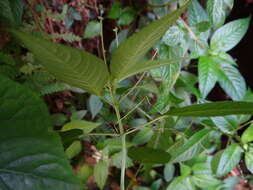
[181,183]
[101,172]
[229,35]
[207,75]
[130,51]
[226,160]
[196,13]
[147,155]
[247,135]
[95,105]
[85,126]
[190,148]
[216,12]
[71,65]
[92,29]
[231,81]
[221,108]
[249,160]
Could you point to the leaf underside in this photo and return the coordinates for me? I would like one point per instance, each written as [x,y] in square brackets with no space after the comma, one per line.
[71,65]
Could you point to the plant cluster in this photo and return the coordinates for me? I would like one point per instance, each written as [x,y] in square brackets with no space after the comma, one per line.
[142,106]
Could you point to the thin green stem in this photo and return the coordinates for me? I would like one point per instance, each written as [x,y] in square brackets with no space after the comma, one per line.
[104,134]
[123,138]
[102,38]
[146,124]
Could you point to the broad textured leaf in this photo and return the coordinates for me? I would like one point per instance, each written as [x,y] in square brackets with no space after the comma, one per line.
[11,12]
[247,135]
[231,81]
[204,181]
[182,183]
[191,148]
[196,13]
[147,155]
[130,51]
[216,12]
[207,75]
[227,124]
[73,66]
[213,109]
[229,35]
[225,161]
[249,161]
[85,126]
[32,157]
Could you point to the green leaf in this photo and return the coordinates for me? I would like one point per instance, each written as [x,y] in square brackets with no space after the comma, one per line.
[78,115]
[147,155]
[73,66]
[101,172]
[207,75]
[196,13]
[32,156]
[143,136]
[85,126]
[249,161]
[229,35]
[182,183]
[115,11]
[227,124]
[221,108]
[216,12]
[130,51]
[225,161]
[95,105]
[11,12]
[173,36]
[168,172]
[190,148]
[148,65]
[247,135]
[74,149]
[117,160]
[92,29]
[231,81]
[127,16]
[204,181]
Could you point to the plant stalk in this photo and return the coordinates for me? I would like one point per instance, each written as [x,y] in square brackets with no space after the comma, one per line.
[123,139]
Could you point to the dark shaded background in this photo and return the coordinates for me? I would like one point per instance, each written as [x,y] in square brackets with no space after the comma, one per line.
[243,52]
